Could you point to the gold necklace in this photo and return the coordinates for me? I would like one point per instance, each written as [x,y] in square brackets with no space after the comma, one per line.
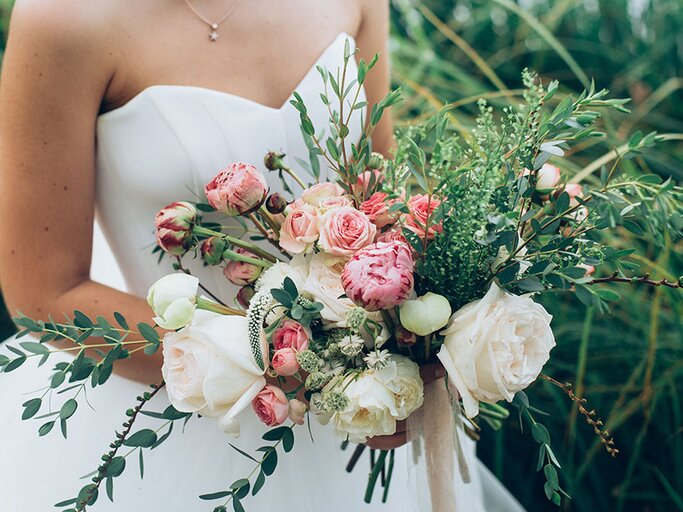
[213,25]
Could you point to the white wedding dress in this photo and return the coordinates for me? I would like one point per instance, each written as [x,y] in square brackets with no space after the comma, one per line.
[163,146]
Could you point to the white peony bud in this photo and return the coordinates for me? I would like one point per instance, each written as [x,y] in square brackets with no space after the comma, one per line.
[174,300]
[495,347]
[425,314]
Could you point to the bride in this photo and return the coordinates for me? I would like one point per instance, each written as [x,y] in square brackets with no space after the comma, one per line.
[113,108]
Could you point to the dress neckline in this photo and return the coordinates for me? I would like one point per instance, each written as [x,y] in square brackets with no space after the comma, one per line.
[149,89]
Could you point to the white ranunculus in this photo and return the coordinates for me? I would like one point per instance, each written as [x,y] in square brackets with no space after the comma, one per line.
[425,314]
[371,410]
[324,285]
[209,368]
[402,376]
[495,347]
[173,299]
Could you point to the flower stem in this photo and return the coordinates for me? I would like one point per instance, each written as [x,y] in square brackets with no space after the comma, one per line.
[209,305]
[235,256]
[251,247]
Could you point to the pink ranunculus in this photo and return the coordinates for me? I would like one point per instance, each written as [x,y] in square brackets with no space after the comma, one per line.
[173,225]
[291,334]
[242,273]
[422,209]
[284,362]
[344,231]
[367,183]
[547,178]
[320,192]
[299,231]
[271,406]
[376,207]
[297,411]
[394,234]
[379,276]
[238,189]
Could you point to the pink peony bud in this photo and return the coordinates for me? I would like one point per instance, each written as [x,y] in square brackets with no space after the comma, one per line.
[379,276]
[212,250]
[291,334]
[274,161]
[276,204]
[244,296]
[284,362]
[240,272]
[297,411]
[345,230]
[376,207]
[547,178]
[174,223]
[422,209]
[271,406]
[238,189]
[299,231]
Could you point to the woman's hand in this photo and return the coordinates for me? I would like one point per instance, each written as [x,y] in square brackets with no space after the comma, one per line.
[429,373]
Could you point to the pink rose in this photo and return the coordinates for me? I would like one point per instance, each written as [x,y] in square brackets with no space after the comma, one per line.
[284,362]
[335,202]
[376,207]
[237,190]
[573,189]
[422,209]
[242,273]
[297,411]
[367,182]
[547,178]
[299,231]
[271,406]
[173,225]
[291,334]
[379,276]
[320,192]
[395,234]
[344,231]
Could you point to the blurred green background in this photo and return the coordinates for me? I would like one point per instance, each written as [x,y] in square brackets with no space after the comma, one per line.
[629,364]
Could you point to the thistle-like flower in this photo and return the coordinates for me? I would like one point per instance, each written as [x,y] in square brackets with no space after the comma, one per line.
[351,345]
[377,359]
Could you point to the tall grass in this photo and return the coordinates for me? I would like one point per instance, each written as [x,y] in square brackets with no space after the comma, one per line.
[629,364]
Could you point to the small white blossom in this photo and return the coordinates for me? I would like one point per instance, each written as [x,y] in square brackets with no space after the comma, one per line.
[377,359]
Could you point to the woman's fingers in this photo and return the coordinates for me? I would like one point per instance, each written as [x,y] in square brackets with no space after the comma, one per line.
[431,372]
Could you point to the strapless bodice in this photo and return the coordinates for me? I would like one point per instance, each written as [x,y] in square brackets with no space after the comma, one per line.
[169,140]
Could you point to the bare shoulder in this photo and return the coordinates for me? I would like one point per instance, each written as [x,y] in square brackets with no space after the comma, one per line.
[374,8]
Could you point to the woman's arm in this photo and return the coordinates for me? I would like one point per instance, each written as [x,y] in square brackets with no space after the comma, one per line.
[56,70]
[372,39]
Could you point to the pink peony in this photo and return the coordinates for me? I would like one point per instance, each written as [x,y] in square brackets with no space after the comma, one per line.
[379,276]
[291,334]
[240,272]
[284,362]
[422,209]
[376,207]
[367,182]
[271,406]
[344,231]
[547,178]
[297,411]
[320,192]
[237,190]
[299,231]
[173,225]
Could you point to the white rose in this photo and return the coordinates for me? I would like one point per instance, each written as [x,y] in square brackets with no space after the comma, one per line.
[425,314]
[324,285]
[209,368]
[273,277]
[173,299]
[495,347]
[371,410]
[402,376]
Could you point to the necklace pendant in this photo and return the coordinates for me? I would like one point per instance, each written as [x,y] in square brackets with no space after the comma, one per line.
[213,36]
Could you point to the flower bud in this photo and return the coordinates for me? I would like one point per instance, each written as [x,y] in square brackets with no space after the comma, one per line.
[276,204]
[242,273]
[308,360]
[173,299]
[212,250]
[274,161]
[284,362]
[377,161]
[244,296]
[239,189]
[425,314]
[297,411]
[174,223]
[547,178]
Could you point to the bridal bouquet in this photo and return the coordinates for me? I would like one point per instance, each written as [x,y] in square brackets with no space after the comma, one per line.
[365,269]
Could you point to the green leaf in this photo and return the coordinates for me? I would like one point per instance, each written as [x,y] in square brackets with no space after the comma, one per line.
[551,476]
[237,506]
[171,413]
[34,348]
[608,295]
[584,295]
[215,495]
[269,462]
[148,332]
[116,466]
[121,320]
[290,287]
[633,227]
[240,488]
[46,428]
[288,440]
[540,433]
[282,297]
[110,488]
[31,408]
[143,438]
[68,409]
[241,452]
[275,434]
[82,320]
[258,484]
[141,464]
